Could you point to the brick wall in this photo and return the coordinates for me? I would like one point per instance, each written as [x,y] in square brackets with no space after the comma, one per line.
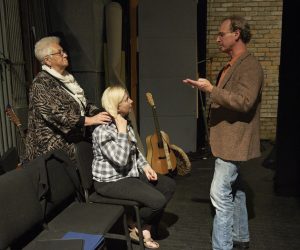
[264,18]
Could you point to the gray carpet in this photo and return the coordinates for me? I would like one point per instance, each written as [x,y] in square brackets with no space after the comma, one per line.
[274,221]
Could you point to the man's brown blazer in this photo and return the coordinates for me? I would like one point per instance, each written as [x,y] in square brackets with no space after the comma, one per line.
[235,111]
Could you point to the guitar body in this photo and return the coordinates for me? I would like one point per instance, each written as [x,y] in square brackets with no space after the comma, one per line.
[161,162]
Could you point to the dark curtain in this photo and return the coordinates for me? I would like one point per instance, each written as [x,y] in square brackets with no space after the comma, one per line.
[287,177]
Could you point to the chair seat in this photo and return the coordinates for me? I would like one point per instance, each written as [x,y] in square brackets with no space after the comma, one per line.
[72,244]
[82,217]
[95,197]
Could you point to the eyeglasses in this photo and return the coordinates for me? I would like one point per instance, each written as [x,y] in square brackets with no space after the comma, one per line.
[60,52]
[222,34]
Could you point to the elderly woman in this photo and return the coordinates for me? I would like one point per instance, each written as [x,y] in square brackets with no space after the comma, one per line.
[121,171]
[58,109]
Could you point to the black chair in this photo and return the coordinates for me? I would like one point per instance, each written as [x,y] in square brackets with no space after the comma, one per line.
[58,182]
[21,217]
[20,210]
[84,158]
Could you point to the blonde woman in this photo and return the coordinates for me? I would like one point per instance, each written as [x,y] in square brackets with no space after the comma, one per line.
[121,171]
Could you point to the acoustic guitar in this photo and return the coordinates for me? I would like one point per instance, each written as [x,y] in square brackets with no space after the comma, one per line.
[159,154]
[16,121]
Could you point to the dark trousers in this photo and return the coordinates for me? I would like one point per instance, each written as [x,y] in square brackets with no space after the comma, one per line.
[153,196]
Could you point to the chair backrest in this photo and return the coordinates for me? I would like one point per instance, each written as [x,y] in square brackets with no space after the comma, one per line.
[63,183]
[9,160]
[84,158]
[55,180]
[20,210]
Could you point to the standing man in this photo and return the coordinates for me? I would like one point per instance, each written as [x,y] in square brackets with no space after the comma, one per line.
[234,131]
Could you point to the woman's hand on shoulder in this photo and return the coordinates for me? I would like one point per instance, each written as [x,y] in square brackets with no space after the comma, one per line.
[150,173]
[101,118]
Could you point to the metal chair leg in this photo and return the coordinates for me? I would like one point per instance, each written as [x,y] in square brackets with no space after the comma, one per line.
[128,240]
[139,226]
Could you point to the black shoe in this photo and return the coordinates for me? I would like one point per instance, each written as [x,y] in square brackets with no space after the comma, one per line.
[240,245]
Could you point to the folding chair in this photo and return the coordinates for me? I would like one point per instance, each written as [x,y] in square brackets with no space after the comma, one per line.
[84,158]
[62,212]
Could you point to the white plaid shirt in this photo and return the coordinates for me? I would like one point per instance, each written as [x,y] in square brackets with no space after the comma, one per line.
[116,155]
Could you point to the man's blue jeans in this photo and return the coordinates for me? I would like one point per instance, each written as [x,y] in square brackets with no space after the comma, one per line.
[231,218]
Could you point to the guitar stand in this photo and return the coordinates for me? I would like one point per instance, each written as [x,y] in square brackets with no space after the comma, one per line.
[206,153]
[172,174]
[203,153]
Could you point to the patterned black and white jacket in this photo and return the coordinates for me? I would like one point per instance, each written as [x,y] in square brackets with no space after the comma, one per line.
[54,119]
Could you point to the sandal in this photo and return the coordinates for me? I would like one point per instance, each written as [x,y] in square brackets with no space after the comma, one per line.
[150,243]
[133,235]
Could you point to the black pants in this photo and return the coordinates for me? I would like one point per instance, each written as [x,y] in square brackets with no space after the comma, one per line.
[153,196]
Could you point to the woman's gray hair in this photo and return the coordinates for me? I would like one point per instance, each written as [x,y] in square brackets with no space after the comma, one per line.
[111,98]
[43,47]
[240,23]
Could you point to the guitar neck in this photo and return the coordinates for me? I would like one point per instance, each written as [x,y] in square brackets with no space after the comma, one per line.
[157,128]
[16,121]
[21,132]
